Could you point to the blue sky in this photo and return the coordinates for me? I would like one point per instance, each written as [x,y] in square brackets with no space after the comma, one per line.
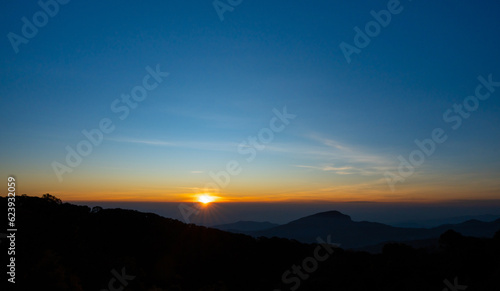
[226,77]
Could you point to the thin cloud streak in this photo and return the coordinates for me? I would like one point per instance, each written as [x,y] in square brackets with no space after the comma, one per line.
[183,144]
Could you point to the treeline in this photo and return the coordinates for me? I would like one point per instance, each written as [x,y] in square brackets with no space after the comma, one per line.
[61,246]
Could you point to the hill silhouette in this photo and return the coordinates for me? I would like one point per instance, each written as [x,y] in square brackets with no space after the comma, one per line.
[61,246]
[353,234]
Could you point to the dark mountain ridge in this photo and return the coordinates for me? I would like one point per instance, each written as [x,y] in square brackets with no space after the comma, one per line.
[60,246]
[429,223]
[358,234]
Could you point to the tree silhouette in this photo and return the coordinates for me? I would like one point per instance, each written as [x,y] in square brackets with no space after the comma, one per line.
[52,198]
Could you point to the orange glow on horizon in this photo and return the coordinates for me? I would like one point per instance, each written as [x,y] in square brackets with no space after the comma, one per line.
[412,193]
[206,198]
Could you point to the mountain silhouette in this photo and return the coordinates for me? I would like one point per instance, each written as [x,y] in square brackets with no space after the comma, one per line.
[428,223]
[60,246]
[354,234]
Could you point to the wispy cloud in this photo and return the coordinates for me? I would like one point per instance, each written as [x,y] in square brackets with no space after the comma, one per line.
[201,145]
[328,142]
[337,170]
[342,159]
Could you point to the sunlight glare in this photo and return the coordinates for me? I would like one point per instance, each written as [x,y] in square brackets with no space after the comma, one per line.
[205,198]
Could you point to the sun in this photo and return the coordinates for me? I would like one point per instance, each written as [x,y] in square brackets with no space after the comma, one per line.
[205,198]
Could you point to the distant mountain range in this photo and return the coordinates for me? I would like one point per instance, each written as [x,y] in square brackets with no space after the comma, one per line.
[60,246]
[359,234]
[448,220]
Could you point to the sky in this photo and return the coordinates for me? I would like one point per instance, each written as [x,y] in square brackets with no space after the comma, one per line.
[251,101]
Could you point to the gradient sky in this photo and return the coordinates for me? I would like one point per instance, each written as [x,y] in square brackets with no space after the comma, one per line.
[225,79]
